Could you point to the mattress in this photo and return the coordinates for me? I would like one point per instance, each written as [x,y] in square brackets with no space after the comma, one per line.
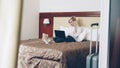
[37,54]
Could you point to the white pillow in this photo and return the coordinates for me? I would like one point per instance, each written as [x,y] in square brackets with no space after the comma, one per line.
[94,35]
[70,30]
[67,30]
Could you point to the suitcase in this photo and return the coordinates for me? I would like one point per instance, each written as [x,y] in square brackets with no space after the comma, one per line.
[96,55]
[92,58]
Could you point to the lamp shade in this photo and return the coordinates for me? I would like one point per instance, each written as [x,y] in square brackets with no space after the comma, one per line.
[46,21]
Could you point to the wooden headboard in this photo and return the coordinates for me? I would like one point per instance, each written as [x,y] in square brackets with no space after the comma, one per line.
[50,15]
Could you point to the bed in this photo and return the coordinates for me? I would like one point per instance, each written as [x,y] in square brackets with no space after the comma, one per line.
[35,53]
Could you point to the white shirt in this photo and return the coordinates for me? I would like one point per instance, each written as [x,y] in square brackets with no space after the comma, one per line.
[79,36]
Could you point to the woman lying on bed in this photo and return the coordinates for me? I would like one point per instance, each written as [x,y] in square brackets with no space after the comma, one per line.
[74,33]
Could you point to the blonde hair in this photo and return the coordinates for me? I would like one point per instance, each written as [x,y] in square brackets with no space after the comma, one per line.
[73,18]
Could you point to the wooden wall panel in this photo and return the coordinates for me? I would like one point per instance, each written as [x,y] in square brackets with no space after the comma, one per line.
[49,28]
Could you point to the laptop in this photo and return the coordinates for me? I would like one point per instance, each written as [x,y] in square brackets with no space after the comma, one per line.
[60,33]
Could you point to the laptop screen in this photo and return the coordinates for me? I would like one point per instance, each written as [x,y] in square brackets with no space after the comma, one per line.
[60,33]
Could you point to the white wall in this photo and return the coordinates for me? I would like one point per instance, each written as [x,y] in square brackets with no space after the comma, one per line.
[104,48]
[31,9]
[69,5]
[30,19]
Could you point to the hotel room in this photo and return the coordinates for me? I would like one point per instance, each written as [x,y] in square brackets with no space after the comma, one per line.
[42,18]
[39,46]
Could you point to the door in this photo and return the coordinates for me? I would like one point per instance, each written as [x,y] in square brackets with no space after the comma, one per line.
[114,34]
